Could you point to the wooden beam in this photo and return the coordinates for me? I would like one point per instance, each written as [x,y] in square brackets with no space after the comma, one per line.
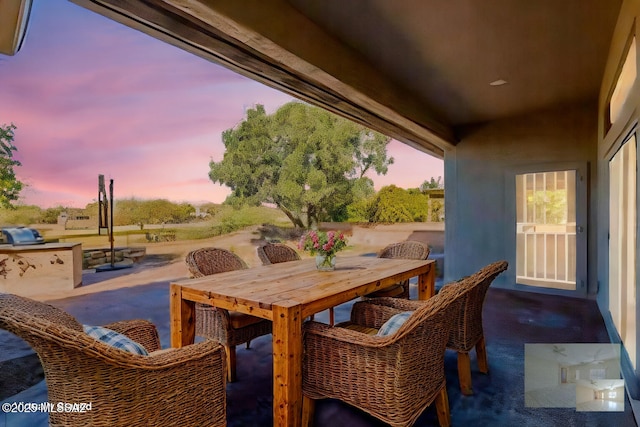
[14,18]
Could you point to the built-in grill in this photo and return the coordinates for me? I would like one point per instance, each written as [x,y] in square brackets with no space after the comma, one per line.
[19,236]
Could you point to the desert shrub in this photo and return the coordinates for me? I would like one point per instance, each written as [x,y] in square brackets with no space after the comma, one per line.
[21,215]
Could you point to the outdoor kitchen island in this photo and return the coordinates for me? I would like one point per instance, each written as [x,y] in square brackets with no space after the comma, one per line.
[30,269]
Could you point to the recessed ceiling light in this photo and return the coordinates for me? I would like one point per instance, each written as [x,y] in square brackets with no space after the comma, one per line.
[499,82]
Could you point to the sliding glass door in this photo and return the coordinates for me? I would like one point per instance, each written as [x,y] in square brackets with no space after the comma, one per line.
[622,244]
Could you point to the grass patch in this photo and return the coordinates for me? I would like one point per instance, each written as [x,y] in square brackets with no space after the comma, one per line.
[226,220]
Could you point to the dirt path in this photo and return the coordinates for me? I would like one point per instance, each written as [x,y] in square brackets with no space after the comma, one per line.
[164,261]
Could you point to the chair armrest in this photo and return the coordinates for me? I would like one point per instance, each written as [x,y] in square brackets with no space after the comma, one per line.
[208,351]
[156,360]
[141,331]
[316,330]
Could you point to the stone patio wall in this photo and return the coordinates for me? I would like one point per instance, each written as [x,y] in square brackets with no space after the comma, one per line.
[91,258]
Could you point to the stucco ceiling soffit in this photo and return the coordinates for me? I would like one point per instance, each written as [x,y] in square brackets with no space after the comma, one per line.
[201,28]
[549,53]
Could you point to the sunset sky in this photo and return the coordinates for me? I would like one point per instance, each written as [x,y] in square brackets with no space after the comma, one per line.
[90,96]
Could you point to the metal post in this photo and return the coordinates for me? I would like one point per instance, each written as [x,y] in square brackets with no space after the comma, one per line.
[113,254]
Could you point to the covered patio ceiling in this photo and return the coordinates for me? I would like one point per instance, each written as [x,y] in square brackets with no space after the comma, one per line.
[416,70]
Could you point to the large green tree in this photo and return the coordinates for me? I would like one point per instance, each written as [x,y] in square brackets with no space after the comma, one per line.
[10,187]
[308,162]
[394,204]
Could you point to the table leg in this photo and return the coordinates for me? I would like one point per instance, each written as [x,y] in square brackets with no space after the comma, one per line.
[182,318]
[427,283]
[287,366]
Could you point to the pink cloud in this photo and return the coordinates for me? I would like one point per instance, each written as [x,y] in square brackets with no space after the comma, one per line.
[90,96]
[410,168]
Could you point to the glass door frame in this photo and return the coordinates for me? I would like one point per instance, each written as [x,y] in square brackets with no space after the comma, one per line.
[625,316]
[628,366]
[582,229]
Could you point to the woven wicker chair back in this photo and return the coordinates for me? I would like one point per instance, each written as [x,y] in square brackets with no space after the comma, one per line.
[274,253]
[205,261]
[410,249]
[28,310]
[215,323]
[467,329]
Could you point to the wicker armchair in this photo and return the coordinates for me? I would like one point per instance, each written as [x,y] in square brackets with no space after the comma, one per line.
[273,253]
[467,331]
[395,377]
[409,249]
[172,387]
[228,327]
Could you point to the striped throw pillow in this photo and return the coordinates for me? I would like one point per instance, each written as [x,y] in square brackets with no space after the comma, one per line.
[115,339]
[392,325]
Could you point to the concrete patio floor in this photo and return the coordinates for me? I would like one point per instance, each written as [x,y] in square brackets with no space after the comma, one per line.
[511,320]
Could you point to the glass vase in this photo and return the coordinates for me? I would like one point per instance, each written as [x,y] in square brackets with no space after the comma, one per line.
[326,262]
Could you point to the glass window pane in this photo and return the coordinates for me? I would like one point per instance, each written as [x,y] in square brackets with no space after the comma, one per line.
[622,244]
[551,256]
[545,243]
[571,197]
[561,180]
[550,181]
[624,84]
[562,258]
[539,261]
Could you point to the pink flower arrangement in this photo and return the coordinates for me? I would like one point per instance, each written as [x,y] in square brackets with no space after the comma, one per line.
[322,243]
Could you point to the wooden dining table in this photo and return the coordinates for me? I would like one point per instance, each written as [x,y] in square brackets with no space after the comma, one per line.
[287,293]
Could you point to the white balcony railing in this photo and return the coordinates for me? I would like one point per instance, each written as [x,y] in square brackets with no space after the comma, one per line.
[546,255]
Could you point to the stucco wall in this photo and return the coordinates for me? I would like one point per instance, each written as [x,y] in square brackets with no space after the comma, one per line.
[584,394]
[479,227]
[611,367]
